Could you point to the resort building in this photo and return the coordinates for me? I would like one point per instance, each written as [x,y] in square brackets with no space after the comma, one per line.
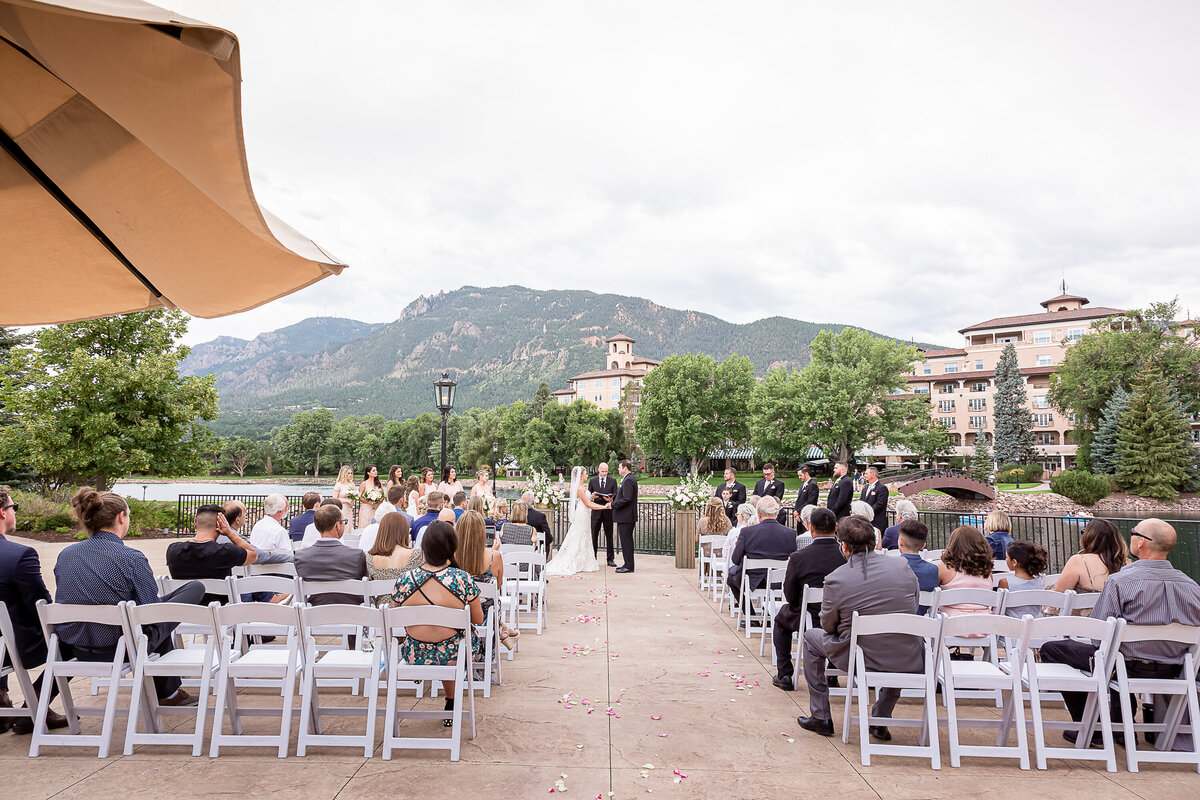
[604,387]
[960,382]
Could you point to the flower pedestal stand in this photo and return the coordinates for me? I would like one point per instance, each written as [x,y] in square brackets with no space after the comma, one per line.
[685,539]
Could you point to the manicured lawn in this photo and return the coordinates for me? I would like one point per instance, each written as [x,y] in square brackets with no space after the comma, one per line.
[1008,487]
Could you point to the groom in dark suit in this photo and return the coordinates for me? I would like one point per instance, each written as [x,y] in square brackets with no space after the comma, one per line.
[601,489]
[624,513]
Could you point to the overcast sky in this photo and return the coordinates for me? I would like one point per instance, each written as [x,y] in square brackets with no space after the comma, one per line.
[909,167]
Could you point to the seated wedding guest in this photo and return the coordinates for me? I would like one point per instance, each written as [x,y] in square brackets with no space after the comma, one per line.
[235,515]
[501,512]
[21,586]
[862,509]
[312,535]
[537,520]
[304,519]
[966,564]
[746,516]
[102,571]
[392,551]
[869,583]
[804,539]
[518,530]
[767,539]
[713,522]
[434,502]
[447,515]
[330,560]
[481,562]
[997,529]
[913,535]
[438,582]
[1027,561]
[904,510]
[268,533]
[1149,591]
[203,556]
[460,504]
[1102,552]
[808,567]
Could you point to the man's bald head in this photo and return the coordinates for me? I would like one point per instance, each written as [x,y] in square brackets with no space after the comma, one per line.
[1159,537]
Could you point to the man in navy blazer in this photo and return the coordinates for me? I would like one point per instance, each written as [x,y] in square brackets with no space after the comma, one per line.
[767,539]
[841,493]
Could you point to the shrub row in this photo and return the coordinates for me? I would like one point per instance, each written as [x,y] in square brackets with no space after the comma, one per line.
[40,513]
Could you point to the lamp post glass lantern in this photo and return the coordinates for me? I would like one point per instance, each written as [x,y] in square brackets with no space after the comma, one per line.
[443,397]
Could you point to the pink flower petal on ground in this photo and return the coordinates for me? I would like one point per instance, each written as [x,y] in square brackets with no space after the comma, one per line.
[656,716]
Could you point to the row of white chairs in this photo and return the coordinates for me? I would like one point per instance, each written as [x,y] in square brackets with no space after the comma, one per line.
[1021,677]
[217,662]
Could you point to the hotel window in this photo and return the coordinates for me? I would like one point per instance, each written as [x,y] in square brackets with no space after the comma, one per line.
[1196,435]
[1041,401]
[946,422]
[616,381]
[1043,361]
[921,390]
[1042,337]
[1046,437]
[1043,420]
[597,384]
[977,422]
[977,403]
[1075,334]
[951,368]
[616,396]
[1010,338]
[979,365]
[949,388]
[928,370]
[945,406]
[979,386]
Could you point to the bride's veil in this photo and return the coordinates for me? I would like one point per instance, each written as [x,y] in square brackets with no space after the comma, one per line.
[573,497]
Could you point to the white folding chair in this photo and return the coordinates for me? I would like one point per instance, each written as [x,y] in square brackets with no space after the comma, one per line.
[357,665]
[394,623]
[221,587]
[704,562]
[1083,602]
[1043,598]
[751,596]
[955,676]
[489,634]
[773,601]
[10,657]
[506,547]
[993,601]
[861,681]
[275,584]
[1051,580]
[53,615]
[278,665]
[1168,722]
[525,584]
[360,589]
[1041,676]
[286,568]
[717,571]
[199,661]
[813,595]
[931,555]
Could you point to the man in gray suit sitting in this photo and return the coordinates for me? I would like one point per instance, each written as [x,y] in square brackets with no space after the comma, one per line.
[869,583]
[330,560]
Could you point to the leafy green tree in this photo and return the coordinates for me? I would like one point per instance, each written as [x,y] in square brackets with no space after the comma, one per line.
[1104,455]
[92,401]
[842,401]
[1013,434]
[541,399]
[306,439]
[239,453]
[1115,351]
[692,404]
[481,427]
[585,434]
[981,458]
[1154,450]
[346,443]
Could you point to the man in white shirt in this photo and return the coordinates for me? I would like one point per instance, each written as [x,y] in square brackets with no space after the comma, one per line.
[268,533]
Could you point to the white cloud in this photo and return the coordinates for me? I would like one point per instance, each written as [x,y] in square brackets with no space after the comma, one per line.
[911,168]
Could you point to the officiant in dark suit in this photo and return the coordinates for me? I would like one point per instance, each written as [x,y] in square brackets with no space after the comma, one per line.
[625,512]
[808,495]
[602,488]
[875,494]
[770,486]
[737,495]
[842,491]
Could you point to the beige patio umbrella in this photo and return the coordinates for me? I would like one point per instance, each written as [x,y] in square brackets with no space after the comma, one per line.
[123,175]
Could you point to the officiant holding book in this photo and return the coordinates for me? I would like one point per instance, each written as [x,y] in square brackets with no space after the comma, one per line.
[602,488]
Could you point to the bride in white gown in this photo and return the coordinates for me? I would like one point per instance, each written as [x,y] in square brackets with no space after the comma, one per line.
[575,554]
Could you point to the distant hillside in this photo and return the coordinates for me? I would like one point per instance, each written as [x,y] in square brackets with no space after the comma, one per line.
[500,342]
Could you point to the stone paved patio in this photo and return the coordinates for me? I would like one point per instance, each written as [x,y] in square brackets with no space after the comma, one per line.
[647,645]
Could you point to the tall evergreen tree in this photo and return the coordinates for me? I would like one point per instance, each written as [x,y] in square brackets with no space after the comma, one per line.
[981,459]
[1014,422]
[1154,448]
[1105,458]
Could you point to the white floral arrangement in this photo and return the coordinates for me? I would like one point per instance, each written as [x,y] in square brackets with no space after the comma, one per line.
[545,491]
[352,495]
[691,493]
[372,496]
[491,505]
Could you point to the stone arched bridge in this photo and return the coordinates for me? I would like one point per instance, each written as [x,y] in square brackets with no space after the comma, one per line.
[963,487]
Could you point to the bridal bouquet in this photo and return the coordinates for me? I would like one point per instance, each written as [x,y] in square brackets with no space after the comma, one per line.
[372,496]
[545,492]
[691,493]
[491,505]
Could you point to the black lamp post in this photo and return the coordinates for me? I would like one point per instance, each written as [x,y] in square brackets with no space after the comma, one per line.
[443,397]
[495,455]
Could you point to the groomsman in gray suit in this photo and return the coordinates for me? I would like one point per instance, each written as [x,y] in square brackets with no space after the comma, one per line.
[869,583]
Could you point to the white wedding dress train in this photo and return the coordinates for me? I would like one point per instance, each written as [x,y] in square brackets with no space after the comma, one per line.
[575,554]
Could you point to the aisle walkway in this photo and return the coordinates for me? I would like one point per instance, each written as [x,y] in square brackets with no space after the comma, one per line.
[681,686]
